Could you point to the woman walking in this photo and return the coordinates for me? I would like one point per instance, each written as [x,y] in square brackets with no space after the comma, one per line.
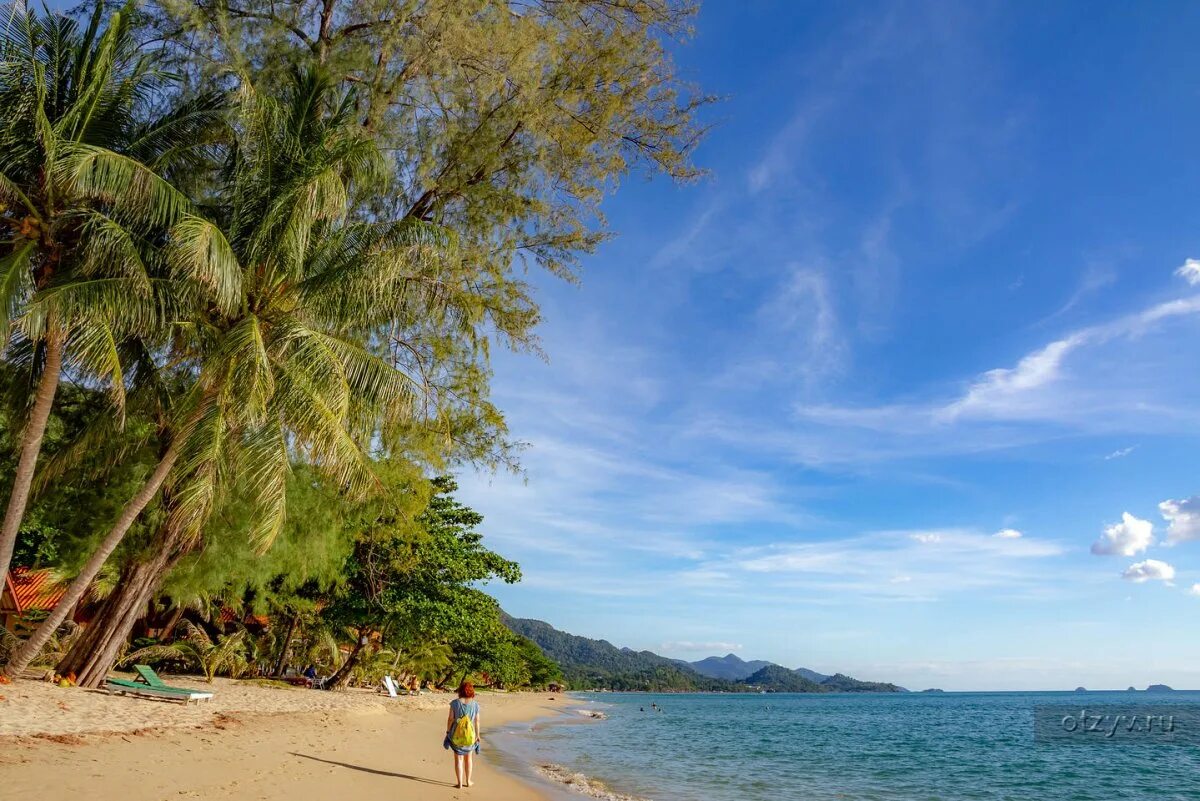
[462,733]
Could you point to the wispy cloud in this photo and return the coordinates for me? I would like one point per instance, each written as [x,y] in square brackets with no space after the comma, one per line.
[912,565]
[1100,273]
[1005,391]
[1061,388]
[1120,453]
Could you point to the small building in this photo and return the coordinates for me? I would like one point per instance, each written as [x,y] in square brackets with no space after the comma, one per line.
[28,594]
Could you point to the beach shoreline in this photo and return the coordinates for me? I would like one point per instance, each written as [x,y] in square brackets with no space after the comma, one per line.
[251,742]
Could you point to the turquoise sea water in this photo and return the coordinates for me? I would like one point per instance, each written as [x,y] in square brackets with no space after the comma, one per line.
[903,747]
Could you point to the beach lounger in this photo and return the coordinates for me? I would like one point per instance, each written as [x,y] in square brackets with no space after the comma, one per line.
[149,685]
[389,684]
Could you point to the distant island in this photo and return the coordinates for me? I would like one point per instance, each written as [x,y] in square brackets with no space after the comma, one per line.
[600,665]
[933,690]
[1159,688]
[1081,689]
[1132,690]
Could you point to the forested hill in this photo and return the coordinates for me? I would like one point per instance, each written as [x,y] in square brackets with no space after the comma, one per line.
[598,664]
[774,678]
[780,679]
[588,663]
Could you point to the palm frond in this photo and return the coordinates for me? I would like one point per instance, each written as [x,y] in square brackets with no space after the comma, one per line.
[15,286]
[198,250]
[96,173]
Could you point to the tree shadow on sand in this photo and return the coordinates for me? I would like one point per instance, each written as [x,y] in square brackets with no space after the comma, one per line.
[376,771]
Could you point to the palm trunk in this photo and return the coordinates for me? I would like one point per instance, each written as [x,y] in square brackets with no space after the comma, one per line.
[92,657]
[31,447]
[342,674]
[281,663]
[79,586]
[172,622]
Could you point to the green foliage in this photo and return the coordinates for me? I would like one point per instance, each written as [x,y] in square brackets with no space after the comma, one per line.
[409,576]
[231,655]
[87,134]
[294,283]
[300,566]
[69,515]
[424,661]
[506,124]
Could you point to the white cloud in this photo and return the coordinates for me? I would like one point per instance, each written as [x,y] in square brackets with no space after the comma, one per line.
[1127,538]
[1190,271]
[1003,391]
[1008,534]
[1038,389]
[1183,519]
[702,647]
[899,565]
[1149,570]
[1195,590]
[1120,453]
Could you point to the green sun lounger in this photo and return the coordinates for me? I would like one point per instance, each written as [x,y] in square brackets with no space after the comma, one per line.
[149,685]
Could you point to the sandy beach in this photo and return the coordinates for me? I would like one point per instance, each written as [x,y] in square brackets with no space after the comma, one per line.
[249,742]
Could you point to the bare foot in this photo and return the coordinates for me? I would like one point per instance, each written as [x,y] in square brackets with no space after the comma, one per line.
[470,784]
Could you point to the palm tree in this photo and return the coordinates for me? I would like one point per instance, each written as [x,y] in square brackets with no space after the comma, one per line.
[228,654]
[296,368]
[82,198]
[424,661]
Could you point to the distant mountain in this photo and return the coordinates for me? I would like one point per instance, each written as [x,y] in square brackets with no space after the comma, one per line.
[598,664]
[774,678]
[588,663]
[729,667]
[841,683]
[733,668]
[781,680]
[1159,688]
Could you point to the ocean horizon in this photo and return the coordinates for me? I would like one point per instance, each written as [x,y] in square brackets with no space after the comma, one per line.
[957,746]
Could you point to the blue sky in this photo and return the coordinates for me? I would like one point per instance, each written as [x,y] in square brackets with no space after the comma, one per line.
[935,288]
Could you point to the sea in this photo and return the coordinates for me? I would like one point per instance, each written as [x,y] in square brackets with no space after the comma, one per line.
[864,747]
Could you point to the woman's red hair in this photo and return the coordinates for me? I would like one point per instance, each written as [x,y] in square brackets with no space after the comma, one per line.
[466,690]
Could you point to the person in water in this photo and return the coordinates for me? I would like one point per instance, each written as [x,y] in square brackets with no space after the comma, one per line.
[464,705]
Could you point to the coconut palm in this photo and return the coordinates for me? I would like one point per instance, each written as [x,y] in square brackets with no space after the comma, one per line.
[424,661]
[84,149]
[296,368]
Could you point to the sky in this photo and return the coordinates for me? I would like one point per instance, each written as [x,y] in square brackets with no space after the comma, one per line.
[906,387]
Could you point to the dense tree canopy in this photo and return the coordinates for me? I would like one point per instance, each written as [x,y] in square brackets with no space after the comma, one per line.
[267,249]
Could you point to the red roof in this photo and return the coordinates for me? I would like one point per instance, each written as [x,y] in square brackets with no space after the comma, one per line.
[35,589]
[227,615]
